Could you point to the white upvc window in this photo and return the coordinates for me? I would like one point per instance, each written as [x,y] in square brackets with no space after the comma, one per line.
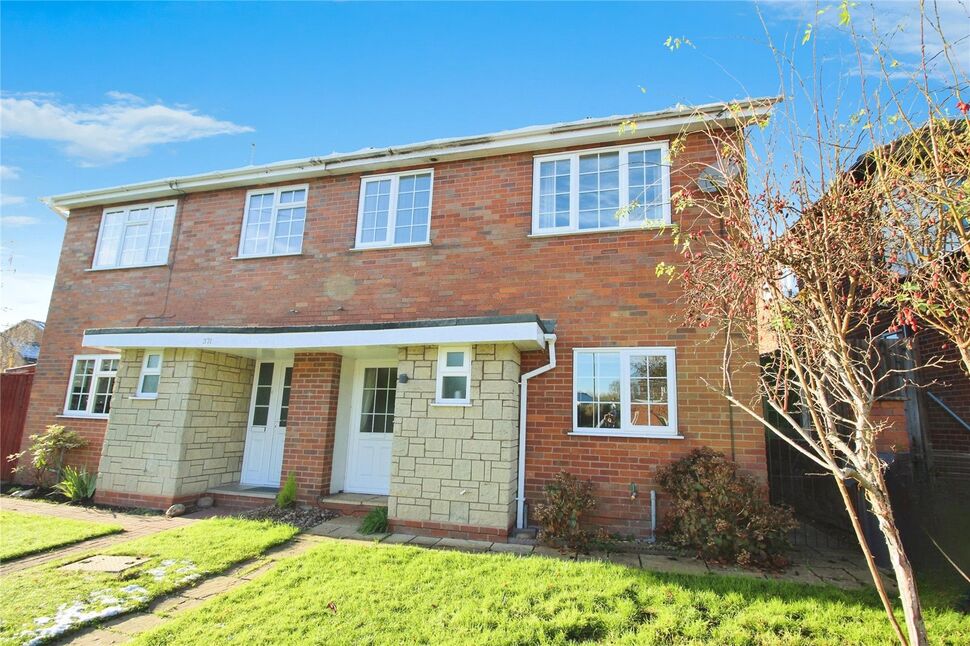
[273,222]
[628,392]
[151,374]
[395,210]
[135,236]
[454,375]
[605,188]
[92,385]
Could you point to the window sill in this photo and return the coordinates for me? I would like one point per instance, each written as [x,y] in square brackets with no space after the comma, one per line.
[409,245]
[143,397]
[451,404]
[268,255]
[157,264]
[621,433]
[82,416]
[586,232]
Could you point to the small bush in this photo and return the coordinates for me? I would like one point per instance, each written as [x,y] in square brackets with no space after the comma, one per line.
[287,495]
[77,485]
[560,515]
[375,522]
[47,451]
[722,513]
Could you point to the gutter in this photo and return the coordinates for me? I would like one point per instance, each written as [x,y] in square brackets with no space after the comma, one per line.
[532,138]
[523,412]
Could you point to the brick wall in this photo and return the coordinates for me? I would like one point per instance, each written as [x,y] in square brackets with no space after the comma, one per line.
[456,465]
[312,423]
[600,287]
[187,440]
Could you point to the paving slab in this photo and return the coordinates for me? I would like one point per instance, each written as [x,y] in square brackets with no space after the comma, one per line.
[133,625]
[672,564]
[398,538]
[462,545]
[424,541]
[211,587]
[511,548]
[105,563]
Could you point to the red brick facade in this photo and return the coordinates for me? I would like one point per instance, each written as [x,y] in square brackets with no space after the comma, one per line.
[600,287]
[312,423]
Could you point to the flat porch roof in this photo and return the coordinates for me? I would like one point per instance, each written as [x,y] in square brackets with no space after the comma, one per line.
[527,331]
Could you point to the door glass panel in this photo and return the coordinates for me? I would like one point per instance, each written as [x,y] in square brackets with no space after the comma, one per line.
[377,402]
[264,387]
[285,401]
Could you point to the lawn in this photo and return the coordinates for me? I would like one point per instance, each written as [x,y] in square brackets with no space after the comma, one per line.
[23,534]
[45,601]
[342,593]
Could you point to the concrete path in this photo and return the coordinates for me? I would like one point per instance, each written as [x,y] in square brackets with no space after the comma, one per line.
[135,526]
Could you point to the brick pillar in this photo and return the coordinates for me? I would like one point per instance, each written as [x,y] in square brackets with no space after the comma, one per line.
[312,423]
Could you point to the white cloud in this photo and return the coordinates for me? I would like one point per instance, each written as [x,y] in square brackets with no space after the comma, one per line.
[9,172]
[124,127]
[16,221]
[10,200]
[24,296]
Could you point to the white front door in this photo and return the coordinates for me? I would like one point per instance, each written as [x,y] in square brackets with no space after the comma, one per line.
[263,456]
[371,428]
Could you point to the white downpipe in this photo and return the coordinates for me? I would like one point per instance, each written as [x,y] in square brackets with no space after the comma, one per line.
[523,412]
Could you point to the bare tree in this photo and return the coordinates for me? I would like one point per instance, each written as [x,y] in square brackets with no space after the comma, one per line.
[834,233]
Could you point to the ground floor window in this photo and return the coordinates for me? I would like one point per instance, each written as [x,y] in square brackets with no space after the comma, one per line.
[625,391]
[92,385]
[151,374]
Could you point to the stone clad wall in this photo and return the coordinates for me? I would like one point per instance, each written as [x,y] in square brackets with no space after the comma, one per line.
[190,438]
[456,465]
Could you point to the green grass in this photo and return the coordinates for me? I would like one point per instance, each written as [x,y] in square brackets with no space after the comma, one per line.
[342,593]
[23,534]
[176,558]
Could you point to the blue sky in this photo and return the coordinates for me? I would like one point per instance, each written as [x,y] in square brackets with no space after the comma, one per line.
[103,94]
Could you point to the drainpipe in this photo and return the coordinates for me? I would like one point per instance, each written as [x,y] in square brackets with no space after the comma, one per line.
[523,411]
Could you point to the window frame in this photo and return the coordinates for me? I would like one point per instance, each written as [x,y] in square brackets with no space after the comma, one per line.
[93,387]
[443,370]
[275,190]
[147,372]
[624,223]
[395,178]
[126,209]
[626,429]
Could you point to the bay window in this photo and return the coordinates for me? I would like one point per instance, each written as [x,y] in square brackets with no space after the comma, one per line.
[625,391]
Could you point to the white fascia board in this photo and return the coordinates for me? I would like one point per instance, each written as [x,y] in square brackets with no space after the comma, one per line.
[528,336]
[535,138]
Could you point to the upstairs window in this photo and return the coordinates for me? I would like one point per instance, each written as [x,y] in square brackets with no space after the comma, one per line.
[454,375]
[274,221]
[394,210]
[151,374]
[593,190]
[92,385]
[135,236]
[625,391]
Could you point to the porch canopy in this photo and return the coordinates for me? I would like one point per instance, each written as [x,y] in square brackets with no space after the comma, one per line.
[526,331]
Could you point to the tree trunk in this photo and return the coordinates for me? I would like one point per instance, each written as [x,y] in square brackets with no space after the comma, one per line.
[905,577]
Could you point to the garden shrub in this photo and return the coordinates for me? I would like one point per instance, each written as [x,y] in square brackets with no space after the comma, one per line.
[375,522]
[77,485]
[722,513]
[287,495]
[560,515]
[47,451]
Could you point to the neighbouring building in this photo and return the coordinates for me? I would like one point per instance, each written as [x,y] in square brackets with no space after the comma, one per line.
[446,324]
[20,343]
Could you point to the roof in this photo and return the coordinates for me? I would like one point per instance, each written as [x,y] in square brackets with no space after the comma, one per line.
[557,135]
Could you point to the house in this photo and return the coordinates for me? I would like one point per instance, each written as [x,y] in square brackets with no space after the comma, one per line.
[446,324]
[20,343]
